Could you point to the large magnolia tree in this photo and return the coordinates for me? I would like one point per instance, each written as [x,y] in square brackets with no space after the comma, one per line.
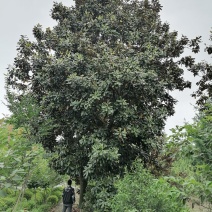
[101,79]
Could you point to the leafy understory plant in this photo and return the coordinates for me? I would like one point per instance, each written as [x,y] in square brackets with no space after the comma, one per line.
[140,191]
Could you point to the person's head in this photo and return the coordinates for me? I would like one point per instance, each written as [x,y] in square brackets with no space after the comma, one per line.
[69,182]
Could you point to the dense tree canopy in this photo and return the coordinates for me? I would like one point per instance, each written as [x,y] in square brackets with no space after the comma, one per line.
[102,77]
[204,92]
[189,150]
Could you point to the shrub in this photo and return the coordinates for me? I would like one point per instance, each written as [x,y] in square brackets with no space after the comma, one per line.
[97,194]
[9,201]
[45,207]
[3,193]
[28,194]
[52,199]
[2,204]
[43,193]
[57,193]
[42,208]
[9,191]
[48,191]
[139,191]
[57,189]
[29,205]
[39,197]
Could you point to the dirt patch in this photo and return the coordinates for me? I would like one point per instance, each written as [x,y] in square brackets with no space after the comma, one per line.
[59,208]
[198,208]
[75,209]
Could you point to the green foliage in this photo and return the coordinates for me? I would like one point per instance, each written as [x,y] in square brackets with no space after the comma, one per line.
[3,205]
[139,191]
[97,194]
[44,192]
[22,159]
[15,154]
[204,91]
[201,134]
[58,188]
[42,175]
[57,192]
[10,201]
[45,207]
[38,198]
[192,170]
[7,202]
[33,199]
[182,167]
[42,208]
[53,199]
[100,79]
[28,205]
[2,193]
[9,191]
[28,194]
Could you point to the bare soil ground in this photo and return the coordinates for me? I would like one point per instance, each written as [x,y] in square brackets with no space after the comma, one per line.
[59,208]
[199,208]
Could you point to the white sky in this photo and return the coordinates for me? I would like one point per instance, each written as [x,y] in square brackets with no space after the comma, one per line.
[188,17]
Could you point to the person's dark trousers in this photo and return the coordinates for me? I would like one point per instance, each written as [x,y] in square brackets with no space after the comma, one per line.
[67,208]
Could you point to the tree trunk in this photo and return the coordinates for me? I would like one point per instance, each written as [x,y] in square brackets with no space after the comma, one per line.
[83,185]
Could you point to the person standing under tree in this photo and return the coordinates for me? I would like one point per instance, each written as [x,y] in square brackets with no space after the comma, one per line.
[68,197]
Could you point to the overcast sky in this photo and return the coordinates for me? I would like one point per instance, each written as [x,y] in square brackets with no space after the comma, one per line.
[188,17]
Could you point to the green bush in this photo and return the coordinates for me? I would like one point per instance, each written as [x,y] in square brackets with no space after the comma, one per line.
[29,205]
[9,201]
[139,191]
[9,191]
[58,189]
[57,193]
[48,191]
[2,204]
[44,207]
[52,199]
[3,193]
[43,193]
[38,197]
[97,194]
[28,194]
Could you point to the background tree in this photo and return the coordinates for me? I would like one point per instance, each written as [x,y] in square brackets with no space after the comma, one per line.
[192,168]
[204,92]
[102,77]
